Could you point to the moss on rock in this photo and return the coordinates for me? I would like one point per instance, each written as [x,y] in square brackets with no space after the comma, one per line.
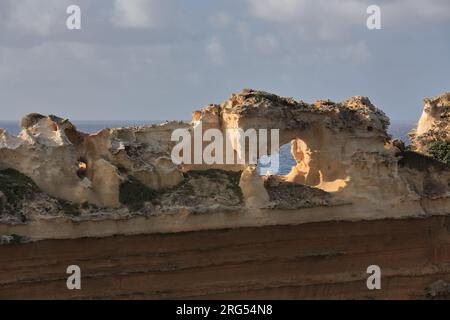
[232,177]
[134,193]
[421,162]
[69,208]
[16,187]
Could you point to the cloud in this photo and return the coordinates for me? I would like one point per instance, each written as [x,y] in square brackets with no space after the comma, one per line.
[303,48]
[311,18]
[141,13]
[81,79]
[215,51]
[40,18]
[327,20]
[220,20]
[407,10]
[266,43]
[355,52]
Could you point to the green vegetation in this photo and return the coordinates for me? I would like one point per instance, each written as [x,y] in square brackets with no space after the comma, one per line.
[445,112]
[15,239]
[12,239]
[69,208]
[16,187]
[134,193]
[261,96]
[183,189]
[420,162]
[440,150]
[233,178]
[85,205]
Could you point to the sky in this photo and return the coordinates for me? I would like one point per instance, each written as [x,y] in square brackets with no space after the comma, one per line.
[162,59]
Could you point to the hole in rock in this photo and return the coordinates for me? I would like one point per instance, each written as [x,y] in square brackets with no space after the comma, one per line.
[279,164]
[82,168]
[297,163]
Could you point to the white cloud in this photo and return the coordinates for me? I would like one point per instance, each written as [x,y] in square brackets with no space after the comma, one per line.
[326,20]
[220,20]
[316,18]
[266,43]
[140,13]
[60,61]
[35,17]
[243,30]
[356,52]
[407,10]
[215,51]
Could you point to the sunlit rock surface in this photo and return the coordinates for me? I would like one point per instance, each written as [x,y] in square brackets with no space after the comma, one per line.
[434,124]
[124,181]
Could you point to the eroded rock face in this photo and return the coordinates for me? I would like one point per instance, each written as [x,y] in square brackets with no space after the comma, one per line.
[78,167]
[342,151]
[434,124]
[338,147]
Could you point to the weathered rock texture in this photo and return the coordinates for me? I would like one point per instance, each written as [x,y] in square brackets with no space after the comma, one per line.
[325,260]
[78,167]
[434,124]
[140,226]
[343,155]
[341,148]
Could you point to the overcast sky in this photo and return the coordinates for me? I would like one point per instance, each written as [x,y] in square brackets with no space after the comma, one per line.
[161,59]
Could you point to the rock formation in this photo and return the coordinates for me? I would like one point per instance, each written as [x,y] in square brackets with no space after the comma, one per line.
[115,202]
[434,124]
[78,167]
[343,154]
[338,147]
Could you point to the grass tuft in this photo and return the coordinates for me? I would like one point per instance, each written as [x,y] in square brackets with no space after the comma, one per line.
[134,194]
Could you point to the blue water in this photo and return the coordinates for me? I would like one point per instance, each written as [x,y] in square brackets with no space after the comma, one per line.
[286,161]
[88,126]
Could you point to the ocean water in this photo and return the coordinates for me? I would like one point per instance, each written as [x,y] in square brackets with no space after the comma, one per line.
[88,126]
[286,161]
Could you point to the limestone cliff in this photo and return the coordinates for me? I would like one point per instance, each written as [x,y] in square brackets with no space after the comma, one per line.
[434,124]
[78,167]
[58,182]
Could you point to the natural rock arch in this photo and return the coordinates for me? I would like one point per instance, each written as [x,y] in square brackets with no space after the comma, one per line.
[334,144]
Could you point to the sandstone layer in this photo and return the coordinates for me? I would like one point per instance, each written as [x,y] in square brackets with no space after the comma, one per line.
[326,260]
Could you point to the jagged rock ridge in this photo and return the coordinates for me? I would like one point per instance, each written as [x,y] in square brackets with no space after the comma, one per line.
[343,154]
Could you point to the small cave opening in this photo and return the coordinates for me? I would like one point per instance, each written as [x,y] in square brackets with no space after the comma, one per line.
[54,126]
[82,168]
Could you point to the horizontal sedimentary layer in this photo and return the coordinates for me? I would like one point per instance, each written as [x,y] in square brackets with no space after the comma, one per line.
[181,221]
[314,260]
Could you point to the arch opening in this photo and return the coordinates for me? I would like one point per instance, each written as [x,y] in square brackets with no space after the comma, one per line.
[299,163]
[283,161]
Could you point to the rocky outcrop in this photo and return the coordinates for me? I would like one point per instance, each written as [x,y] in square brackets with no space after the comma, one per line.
[340,148]
[116,204]
[77,167]
[342,151]
[434,124]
